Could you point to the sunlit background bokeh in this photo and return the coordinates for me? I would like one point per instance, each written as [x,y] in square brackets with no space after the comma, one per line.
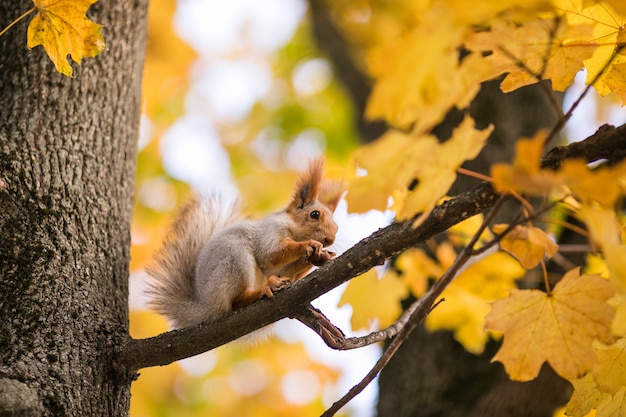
[237,97]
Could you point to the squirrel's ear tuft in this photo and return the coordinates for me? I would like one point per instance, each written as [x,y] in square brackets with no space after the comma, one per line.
[308,186]
[330,193]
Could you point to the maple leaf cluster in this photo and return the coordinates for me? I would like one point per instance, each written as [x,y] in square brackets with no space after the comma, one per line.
[576,325]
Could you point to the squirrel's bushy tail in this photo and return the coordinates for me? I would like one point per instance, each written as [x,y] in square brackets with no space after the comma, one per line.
[170,285]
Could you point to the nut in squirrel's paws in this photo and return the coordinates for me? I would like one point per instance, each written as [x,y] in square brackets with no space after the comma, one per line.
[323,257]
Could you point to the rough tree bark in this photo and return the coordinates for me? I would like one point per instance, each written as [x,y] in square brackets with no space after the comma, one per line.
[67,163]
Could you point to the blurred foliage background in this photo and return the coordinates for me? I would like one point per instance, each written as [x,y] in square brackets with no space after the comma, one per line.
[237,97]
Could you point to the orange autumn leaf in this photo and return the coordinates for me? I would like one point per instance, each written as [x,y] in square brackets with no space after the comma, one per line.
[62,28]
[603,184]
[558,328]
[525,174]
[528,244]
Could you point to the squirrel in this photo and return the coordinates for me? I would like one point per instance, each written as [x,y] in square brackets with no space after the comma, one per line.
[213,260]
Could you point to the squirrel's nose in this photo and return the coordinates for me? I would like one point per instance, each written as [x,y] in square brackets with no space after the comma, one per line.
[328,241]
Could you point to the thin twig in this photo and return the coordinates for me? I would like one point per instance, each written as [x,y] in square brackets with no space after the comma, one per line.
[546,281]
[423,308]
[549,92]
[474,174]
[3,31]
[330,333]
[416,318]
[565,224]
[575,248]
[560,123]
[315,320]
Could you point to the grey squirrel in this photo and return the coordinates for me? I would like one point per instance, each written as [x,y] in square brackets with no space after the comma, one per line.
[213,260]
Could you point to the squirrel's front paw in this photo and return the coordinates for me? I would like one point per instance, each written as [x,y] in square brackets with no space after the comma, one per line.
[323,257]
[313,249]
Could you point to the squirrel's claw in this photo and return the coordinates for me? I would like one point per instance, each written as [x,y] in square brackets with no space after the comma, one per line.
[323,257]
[275,283]
[313,248]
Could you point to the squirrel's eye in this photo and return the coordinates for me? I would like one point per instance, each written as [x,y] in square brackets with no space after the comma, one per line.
[315,214]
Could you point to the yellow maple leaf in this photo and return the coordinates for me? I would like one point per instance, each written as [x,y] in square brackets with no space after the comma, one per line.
[604,387]
[610,370]
[417,71]
[535,50]
[467,299]
[528,244]
[436,176]
[62,28]
[559,327]
[608,33]
[374,300]
[585,397]
[604,227]
[461,233]
[397,159]
[615,256]
[614,79]
[390,163]
[604,184]
[602,224]
[417,268]
[615,405]
[419,76]
[618,5]
[618,327]
[463,313]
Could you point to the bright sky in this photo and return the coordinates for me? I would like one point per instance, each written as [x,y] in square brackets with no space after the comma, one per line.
[588,116]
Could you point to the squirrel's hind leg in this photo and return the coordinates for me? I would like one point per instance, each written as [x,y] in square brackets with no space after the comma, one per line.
[274,283]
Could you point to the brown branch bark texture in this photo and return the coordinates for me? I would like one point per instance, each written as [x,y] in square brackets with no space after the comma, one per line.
[372,251]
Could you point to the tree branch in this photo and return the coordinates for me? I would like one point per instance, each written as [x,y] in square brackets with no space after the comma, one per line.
[424,306]
[335,338]
[608,142]
[168,347]
[374,250]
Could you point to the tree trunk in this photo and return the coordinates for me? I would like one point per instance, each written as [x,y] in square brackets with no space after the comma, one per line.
[67,163]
